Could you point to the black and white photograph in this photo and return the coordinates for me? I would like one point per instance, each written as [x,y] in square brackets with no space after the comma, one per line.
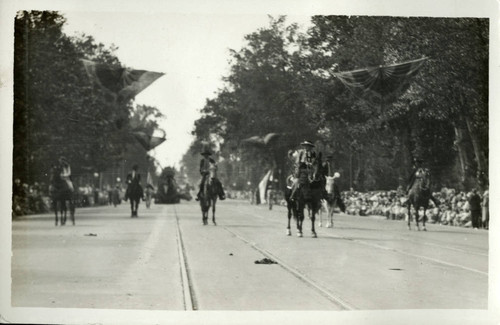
[281,162]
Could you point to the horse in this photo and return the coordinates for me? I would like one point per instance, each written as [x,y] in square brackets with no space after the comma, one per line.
[135,194]
[332,200]
[148,194]
[60,192]
[208,198]
[419,196]
[308,194]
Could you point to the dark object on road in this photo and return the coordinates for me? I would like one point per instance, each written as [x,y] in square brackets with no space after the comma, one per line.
[168,191]
[230,254]
[93,235]
[266,261]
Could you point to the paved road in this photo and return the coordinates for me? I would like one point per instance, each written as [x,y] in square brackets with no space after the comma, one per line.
[167,260]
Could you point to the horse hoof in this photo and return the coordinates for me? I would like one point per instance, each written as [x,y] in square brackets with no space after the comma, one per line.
[215,224]
[320,225]
[425,229]
[299,234]
[288,233]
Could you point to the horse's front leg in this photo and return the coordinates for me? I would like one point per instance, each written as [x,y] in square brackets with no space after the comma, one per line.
[409,216]
[213,212]
[313,219]
[63,212]
[54,206]
[289,215]
[330,217]
[320,212]
[131,207]
[423,220]
[417,217]
[300,218]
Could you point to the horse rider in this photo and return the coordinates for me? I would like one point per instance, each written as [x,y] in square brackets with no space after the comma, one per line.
[133,179]
[208,171]
[305,157]
[417,164]
[66,172]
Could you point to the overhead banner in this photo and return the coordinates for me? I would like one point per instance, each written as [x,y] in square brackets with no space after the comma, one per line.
[381,80]
[123,83]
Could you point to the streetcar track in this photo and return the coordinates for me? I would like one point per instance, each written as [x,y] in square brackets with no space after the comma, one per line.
[190,302]
[398,238]
[362,242]
[302,277]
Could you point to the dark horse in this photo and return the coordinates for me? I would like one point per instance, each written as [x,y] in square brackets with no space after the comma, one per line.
[308,194]
[208,198]
[60,193]
[419,196]
[135,194]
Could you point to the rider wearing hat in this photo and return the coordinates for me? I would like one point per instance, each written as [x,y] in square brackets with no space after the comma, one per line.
[133,178]
[208,167]
[304,157]
[66,172]
[417,163]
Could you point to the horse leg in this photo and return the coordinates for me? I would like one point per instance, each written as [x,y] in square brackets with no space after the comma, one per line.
[423,220]
[417,217]
[300,218]
[213,211]
[131,207]
[289,215]
[313,219]
[63,212]
[320,212]
[330,216]
[137,206]
[409,215]
[54,206]
[72,210]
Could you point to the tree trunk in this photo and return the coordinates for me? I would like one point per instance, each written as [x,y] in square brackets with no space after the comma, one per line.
[460,143]
[482,172]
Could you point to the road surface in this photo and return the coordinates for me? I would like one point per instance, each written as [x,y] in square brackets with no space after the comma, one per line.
[167,260]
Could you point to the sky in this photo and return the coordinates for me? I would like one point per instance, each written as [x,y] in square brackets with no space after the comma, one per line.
[191,49]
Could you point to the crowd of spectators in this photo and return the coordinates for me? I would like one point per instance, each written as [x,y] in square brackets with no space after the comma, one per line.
[456,208]
[32,199]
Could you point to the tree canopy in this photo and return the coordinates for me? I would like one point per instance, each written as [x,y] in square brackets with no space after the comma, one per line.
[284,81]
[58,111]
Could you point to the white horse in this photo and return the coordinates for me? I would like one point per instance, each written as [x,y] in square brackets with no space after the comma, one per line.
[333,199]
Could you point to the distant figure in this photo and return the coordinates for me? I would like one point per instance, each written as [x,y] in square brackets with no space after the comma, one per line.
[133,180]
[475,209]
[486,211]
[66,173]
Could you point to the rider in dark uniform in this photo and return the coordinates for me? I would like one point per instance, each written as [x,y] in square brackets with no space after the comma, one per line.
[133,179]
[304,157]
[208,168]
[417,163]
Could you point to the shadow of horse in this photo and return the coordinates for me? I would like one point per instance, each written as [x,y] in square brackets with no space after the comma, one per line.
[419,196]
[60,193]
[208,198]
